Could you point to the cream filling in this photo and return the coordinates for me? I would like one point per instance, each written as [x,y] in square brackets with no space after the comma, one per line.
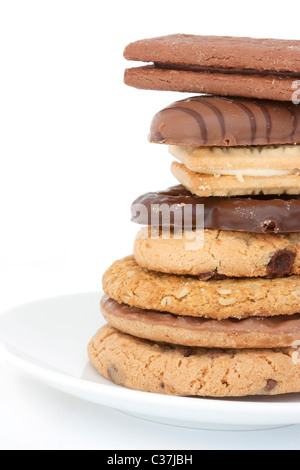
[240,174]
[263,151]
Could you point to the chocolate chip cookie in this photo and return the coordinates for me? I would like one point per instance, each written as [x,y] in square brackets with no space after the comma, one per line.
[221,253]
[175,370]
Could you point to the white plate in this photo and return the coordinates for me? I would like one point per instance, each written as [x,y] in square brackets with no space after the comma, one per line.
[48,339]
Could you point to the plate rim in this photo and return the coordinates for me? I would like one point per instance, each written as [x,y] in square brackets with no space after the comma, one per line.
[288,413]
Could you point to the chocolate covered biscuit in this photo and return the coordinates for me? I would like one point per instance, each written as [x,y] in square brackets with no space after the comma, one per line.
[204,121]
[190,331]
[258,214]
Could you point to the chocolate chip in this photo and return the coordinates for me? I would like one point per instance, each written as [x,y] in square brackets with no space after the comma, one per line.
[207,276]
[271,384]
[281,263]
[114,374]
[215,353]
[212,275]
[186,352]
[162,385]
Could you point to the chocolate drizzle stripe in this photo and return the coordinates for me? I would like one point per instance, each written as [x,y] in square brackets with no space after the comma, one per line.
[295,123]
[268,119]
[199,119]
[251,118]
[159,137]
[218,114]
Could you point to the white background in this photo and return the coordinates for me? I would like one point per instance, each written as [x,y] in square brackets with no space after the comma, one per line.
[74,154]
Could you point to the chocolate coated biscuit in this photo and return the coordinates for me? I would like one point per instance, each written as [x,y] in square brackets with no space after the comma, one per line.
[259,214]
[156,326]
[217,121]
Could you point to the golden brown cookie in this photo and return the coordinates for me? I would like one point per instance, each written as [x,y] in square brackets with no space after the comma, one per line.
[217,185]
[268,160]
[231,254]
[158,368]
[190,331]
[126,282]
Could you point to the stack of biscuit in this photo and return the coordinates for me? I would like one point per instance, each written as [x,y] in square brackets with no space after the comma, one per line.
[208,305]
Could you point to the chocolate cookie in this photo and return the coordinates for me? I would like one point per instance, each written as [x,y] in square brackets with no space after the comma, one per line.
[229,254]
[259,214]
[216,82]
[261,55]
[259,68]
[126,282]
[156,326]
[175,370]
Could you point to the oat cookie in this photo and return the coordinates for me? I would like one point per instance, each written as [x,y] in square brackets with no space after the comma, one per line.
[158,368]
[126,282]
